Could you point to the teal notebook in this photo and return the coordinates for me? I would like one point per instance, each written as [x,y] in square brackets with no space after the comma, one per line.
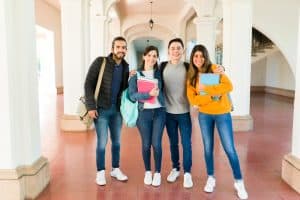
[209,79]
[212,79]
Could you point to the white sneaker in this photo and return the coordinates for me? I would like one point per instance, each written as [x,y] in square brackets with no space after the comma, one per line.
[187,180]
[117,173]
[100,177]
[210,184]
[148,178]
[240,189]
[156,179]
[173,175]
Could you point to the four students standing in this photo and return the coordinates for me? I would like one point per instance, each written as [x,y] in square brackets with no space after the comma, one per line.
[178,86]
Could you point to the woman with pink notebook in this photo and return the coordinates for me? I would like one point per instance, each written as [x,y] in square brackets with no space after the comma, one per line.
[146,88]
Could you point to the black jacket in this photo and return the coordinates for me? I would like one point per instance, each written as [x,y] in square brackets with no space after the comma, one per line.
[104,98]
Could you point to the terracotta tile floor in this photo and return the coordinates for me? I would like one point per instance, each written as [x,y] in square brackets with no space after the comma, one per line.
[72,159]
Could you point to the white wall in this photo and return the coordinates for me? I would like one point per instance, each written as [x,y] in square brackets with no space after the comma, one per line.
[258,73]
[277,19]
[131,56]
[191,37]
[49,17]
[163,51]
[278,73]
[190,33]
[273,71]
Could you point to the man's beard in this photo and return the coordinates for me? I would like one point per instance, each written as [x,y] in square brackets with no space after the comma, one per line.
[119,55]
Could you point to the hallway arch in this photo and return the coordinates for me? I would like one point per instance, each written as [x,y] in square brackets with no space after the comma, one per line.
[278,44]
[271,72]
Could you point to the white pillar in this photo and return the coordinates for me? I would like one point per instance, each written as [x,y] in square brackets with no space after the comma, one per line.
[98,29]
[206,34]
[237,27]
[73,15]
[98,38]
[296,125]
[21,164]
[290,172]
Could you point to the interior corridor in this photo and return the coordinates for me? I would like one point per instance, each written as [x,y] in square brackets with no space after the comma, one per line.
[73,170]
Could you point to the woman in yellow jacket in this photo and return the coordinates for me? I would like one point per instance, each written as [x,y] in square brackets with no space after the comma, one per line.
[214,107]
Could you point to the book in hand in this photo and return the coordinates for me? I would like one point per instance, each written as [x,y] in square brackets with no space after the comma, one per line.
[208,79]
[146,85]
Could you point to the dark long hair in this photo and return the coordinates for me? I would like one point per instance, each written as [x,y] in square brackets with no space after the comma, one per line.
[146,51]
[193,70]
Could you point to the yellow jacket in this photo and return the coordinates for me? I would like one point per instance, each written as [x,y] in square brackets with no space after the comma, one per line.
[205,103]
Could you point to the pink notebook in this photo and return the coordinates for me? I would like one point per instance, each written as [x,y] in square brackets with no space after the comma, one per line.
[146,85]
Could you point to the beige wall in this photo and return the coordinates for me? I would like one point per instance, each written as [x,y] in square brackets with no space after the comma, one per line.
[48,17]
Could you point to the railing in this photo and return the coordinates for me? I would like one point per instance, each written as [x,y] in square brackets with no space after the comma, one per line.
[259,43]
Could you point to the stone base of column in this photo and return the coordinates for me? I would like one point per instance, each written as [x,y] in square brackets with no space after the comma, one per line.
[59,90]
[242,123]
[72,123]
[290,172]
[25,182]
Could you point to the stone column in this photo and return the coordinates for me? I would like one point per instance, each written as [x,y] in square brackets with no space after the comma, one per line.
[98,30]
[75,45]
[291,162]
[206,34]
[237,27]
[24,173]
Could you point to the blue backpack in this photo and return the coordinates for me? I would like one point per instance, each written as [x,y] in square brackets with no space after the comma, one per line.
[129,109]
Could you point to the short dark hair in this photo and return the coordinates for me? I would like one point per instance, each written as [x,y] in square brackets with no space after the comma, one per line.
[119,38]
[179,40]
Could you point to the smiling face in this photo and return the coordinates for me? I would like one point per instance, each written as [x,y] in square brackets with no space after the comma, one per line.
[119,49]
[150,59]
[175,51]
[198,59]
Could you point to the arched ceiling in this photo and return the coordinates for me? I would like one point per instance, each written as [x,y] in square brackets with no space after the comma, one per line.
[132,7]
[159,7]
[169,16]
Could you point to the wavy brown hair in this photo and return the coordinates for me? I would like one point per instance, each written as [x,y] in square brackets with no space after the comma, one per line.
[193,71]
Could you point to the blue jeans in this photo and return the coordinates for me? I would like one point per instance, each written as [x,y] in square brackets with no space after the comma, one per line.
[112,119]
[183,122]
[224,125]
[151,124]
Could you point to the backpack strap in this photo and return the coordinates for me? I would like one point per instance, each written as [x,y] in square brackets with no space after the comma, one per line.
[163,65]
[138,74]
[186,65]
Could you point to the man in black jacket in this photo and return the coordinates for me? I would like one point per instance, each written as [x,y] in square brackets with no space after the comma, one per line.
[106,111]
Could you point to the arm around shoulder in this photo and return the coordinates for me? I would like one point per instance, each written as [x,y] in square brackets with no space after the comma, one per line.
[195,99]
